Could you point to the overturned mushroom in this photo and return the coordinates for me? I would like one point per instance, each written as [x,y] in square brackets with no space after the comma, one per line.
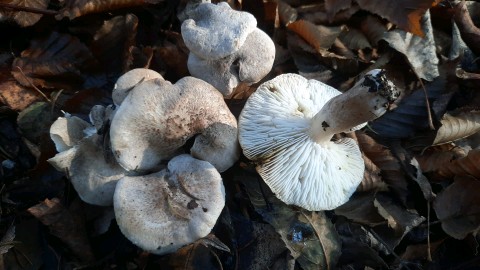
[216,31]
[164,211]
[287,125]
[245,65]
[157,118]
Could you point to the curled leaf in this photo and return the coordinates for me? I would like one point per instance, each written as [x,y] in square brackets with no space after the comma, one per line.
[457,127]
[468,165]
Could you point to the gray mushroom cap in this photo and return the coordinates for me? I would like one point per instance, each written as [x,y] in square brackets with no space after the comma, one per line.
[66,131]
[216,31]
[129,80]
[245,65]
[157,118]
[164,211]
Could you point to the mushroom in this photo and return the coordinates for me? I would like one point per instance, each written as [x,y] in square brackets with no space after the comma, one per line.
[216,31]
[93,177]
[129,80]
[157,118]
[287,125]
[245,65]
[225,46]
[164,211]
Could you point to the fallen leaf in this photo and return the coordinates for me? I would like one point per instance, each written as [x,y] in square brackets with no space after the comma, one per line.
[287,13]
[77,8]
[458,207]
[465,166]
[360,209]
[334,6]
[322,17]
[24,18]
[436,157]
[16,96]
[420,52]
[63,225]
[372,179]
[354,39]
[60,60]
[373,28]
[406,14]
[35,121]
[7,241]
[470,32]
[320,37]
[455,127]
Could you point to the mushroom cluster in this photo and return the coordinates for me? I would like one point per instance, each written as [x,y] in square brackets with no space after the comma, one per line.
[287,125]
[220,41]
[119,158]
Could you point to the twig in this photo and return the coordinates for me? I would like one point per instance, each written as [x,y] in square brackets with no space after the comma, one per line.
[429,246]
[33,86]
[28,9]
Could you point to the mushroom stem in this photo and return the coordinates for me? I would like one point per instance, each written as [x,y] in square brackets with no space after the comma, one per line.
[365,101]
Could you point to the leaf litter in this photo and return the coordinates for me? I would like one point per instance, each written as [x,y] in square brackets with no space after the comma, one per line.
[415,209]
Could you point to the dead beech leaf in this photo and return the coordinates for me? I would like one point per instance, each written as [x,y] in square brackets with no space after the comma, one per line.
[77,8]
[17,97]
[436,157]
[373,28]
[470,32]
[60,60]
[360,209]
[334,6]
[457,127]
[372,179]
[354,39]
[24,18]
[322,17]
[63,225]
[320,37]
[7,241]
[406,14]
[111,43]
[419,51]
[468,165]
[458,207]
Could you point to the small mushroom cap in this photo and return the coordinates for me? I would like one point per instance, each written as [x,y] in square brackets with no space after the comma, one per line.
[157,119]
[245,65]
[273,131]
[66,131]
[216,31]
[92,176]
[164,211]
[129,80]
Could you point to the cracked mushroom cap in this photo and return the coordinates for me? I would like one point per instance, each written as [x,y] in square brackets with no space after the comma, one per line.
[216,31]
[129,80]
[286,127]
[245,65]
[157,118]
[92,176]
[164,211]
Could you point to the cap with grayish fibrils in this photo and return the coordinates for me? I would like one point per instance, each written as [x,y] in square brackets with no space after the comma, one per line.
[157,118]
[129,80]
[164,211]
[216,31]
[249,64]
[81,157]
[287,125]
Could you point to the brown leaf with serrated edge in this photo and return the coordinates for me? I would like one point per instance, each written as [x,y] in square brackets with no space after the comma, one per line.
[468,165]
[391,170]
[77,8]
[60,60]
[17,97]
[111,43]
[458,207]
[470,32]
[406,14]
[458,126]
[334,6]
[63,225]
[24,18]
[436,157]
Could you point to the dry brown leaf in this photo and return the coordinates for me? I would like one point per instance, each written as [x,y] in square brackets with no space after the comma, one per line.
[354,39]
[468,165]
[17,97]
[373,28]
[437,157]
[360,209]
[63,225]
[372,179]
[390,167]
[457,127]
[173,55]
[334,6]
[320,37]
[60,60]
[458,207]
[24,18]
[470,32]
[286,13]
[406,14]
[77,8]
[321,17]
